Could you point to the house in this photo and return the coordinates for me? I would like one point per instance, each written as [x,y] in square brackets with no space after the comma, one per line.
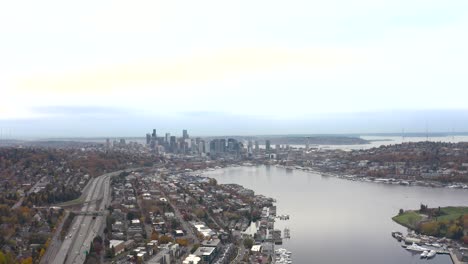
[256,249]
[169,215]
[179,233]
[118,245]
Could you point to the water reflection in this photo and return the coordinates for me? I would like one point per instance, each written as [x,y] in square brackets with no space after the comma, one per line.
[339,221]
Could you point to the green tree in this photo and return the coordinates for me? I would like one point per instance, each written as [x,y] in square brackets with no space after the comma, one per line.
[248,243]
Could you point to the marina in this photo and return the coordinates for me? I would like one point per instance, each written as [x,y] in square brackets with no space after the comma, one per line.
[283,256]
[427,246]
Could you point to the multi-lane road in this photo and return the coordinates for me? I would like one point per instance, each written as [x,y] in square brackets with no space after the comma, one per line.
[85,227]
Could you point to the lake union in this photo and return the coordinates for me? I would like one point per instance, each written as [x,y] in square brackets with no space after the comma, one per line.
[339,221]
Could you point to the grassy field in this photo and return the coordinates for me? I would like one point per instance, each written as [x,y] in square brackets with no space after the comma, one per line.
[441,222]
[452,213]
[409,219]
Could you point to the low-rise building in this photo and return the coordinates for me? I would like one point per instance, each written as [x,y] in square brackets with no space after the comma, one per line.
[118,245]
[192,259]
[207,254]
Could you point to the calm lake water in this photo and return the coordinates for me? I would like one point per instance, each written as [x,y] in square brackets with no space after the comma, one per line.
[339,221]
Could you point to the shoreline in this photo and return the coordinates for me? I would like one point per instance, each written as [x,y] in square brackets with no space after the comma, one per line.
[390,181]
[269,214]
[206,173]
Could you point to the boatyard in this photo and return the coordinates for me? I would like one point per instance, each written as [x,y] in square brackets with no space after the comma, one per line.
[283,256]
[428,246]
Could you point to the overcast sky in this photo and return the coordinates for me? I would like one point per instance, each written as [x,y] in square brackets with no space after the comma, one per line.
[120,68]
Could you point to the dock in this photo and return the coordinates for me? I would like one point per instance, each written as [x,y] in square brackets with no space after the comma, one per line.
[419,240]
[454,258]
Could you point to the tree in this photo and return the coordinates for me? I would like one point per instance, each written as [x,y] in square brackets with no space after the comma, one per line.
[430,228]
[182,242]
[154,235]
[165,239]
[465,240]
[455,232]
[6,258]
[27,261]
[248,243]
[130,216]
[42,252]
[2,258]
[200,213]
[213,182]
[423,208]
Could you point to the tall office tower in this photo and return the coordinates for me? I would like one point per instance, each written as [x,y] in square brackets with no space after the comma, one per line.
[231,144]
[107,144]
[267,145]
[249,146]
[206,147]
[222,145]
[148,139]
[217,146]
[160,140]
[278,148]
[257,148]
[167,139]
[201,147]
[154,134]
[213,145]
[188,145]
[173,144]
[193,146]
[185,134]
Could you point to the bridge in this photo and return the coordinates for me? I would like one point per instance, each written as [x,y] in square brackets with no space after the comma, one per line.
[91,213]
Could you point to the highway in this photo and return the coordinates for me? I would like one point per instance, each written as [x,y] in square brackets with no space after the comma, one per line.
[84,228]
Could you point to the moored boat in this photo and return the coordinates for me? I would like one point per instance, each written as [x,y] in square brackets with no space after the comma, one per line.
[431,254]
[424,254]
[417,248]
